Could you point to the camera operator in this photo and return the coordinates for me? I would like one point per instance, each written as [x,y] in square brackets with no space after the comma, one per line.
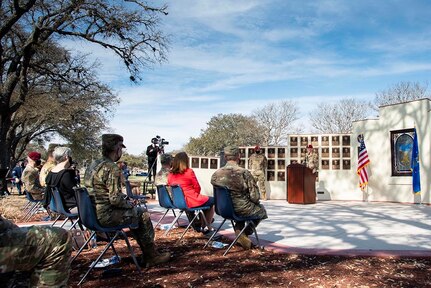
[152,152]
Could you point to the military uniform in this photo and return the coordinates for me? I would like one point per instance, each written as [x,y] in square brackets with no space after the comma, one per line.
[257,163]
[103,181]
[43,250]
[30,178]
[244,192]
[311,160]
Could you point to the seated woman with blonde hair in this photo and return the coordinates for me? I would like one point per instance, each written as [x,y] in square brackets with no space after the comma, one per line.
[185,177]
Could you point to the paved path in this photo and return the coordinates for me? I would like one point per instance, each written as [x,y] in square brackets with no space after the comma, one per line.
[342,228]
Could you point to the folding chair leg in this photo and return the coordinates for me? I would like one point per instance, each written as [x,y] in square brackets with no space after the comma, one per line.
[236,239]
[255,234]
[160,220]
[175,220]
[188,226]
[55,221]
[131,251]
[84,245]
[215,232]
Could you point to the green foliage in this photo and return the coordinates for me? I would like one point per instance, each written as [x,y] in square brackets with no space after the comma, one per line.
[223,130]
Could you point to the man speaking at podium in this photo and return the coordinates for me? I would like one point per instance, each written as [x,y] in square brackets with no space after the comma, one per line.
[311,159]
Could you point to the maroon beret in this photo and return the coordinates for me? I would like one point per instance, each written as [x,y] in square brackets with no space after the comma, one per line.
[34,155]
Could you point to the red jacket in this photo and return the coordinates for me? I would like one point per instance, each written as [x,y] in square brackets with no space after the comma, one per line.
[191,188]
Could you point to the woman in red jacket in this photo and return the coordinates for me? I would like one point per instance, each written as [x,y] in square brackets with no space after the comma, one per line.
[185,177]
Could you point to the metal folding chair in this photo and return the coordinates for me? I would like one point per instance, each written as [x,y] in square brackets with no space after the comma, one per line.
[165,201]
[87,215]
[224,208]
[180,202]
[141,198]
[32,208]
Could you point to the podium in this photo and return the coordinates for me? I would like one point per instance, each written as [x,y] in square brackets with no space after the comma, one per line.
[301,184]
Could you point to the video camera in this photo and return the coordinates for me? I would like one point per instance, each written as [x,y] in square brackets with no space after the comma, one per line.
[161,142]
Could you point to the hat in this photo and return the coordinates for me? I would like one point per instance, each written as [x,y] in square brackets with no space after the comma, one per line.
[231,150]
[34,155]
[110,140]
[310,146]
[256,148]
[166,158]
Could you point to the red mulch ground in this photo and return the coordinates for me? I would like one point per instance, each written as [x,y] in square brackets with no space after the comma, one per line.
[192,266]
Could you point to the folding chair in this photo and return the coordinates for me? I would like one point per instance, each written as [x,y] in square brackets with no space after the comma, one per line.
[33,206]
[165,201]
[141,198]
[180,202]
[87,215]
[57,206]
[224,208]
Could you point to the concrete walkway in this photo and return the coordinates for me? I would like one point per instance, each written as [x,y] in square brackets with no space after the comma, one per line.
[341,228]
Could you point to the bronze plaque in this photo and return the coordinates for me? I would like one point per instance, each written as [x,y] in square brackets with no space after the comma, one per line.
[281,153]
[325,152]
[346,152]
[325,164]
[304,141]
[346,164]
[195,162]
[336,152]
[293,152]
[346,140]
[336,140]
[303,152]
[293,141]
[281,176]
[204,163]
[271,164]
[314,141]
[281,165]
[325,141]
[242,152]
[270,176]
[271,152]
[214,163]
[241,163]
[335,164]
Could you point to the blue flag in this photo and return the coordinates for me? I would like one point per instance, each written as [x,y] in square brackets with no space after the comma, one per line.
[415,165]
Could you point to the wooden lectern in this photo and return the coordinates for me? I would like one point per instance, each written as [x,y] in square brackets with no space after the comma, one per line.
[301,184]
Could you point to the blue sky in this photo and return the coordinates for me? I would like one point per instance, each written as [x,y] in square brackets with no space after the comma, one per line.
[235,56]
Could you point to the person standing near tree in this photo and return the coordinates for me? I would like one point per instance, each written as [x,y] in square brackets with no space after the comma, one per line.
[257,163]
[152,152]
[16,175]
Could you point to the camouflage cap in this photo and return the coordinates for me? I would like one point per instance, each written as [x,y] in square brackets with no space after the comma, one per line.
[166,158]
[110,140]
[231,150]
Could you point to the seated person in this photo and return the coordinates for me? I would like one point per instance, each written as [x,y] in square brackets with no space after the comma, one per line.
[162,176]
[30,176]
[185,177]
[103,181]
[244,192]
[44,251]
[63,177]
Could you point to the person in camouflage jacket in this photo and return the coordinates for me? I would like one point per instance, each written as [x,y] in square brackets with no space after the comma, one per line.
[45,251]
[257,163]
[103,182]
[30,176]
[244,191]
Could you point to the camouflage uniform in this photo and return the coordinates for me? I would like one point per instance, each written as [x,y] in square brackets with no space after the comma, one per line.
[45,251]
[44,171]
[257,163]
[103,181]
[311,160]
[244,191]
[30,178]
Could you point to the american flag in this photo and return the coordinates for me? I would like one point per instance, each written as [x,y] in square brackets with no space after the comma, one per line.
[363,161]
